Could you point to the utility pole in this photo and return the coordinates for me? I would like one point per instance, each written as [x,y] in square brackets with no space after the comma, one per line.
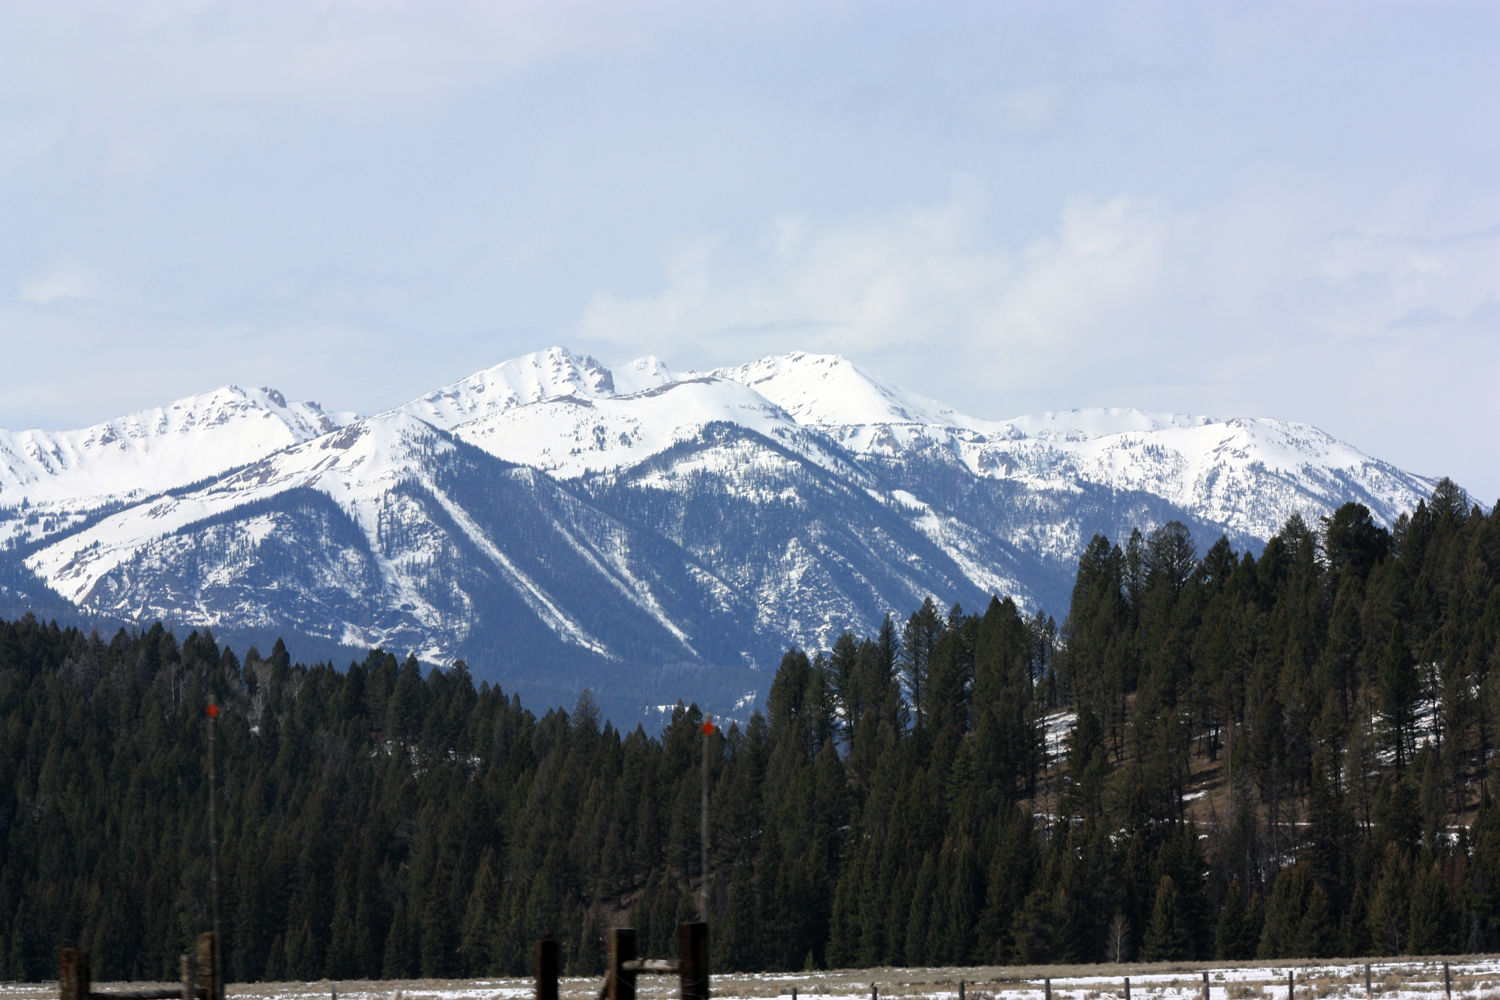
[708,731]
[213,851]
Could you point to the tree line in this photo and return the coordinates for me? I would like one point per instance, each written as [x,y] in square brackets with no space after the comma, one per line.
[1228,755]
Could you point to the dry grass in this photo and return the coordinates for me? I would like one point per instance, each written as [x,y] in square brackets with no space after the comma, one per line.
[1164,981]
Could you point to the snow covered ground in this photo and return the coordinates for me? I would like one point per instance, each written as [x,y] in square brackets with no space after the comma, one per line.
[1471,977]
[1056,728]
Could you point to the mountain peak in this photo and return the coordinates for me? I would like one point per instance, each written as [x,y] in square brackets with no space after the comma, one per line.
[159,448]
[717,516]
[641,374]
[829,389]
[529,378]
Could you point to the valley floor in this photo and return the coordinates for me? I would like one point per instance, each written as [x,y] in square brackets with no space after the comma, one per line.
[1472,977]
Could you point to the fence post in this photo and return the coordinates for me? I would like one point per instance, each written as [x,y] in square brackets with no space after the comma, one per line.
[960,989]
[1447,982]
[207,983]
[73,979]
[546,968]
[1367,979]
[1205,984]
[189,976]
[692,960]
[621,984]
[1047,989]
[1127,988]
[1290,984]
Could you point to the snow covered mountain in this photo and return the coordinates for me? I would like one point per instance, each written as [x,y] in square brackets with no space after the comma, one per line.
[142,454]
[652,535]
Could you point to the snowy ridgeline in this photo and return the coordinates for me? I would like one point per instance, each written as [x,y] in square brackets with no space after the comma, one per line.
[1390,979]
[626,524]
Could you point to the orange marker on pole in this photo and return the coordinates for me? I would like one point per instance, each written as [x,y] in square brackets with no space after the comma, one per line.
[708,730]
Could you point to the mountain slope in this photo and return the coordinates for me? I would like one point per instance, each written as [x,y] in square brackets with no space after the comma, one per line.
[563,524]
[156,449]
[1246,475]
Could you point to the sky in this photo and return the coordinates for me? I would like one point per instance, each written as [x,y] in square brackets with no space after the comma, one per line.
[1288,210]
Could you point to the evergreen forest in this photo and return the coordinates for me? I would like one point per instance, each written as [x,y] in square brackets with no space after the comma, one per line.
[1215,754]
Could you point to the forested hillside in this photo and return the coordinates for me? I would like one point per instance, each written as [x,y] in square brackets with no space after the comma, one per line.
[1277,756]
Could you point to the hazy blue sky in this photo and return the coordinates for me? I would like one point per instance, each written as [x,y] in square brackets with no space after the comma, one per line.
[1287,210]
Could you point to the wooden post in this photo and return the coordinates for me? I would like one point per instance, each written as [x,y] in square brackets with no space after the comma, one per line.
[207,982]
[621,982]
[1127,988]
[874,992]
[1047,989]
[1367,979]
[1447,982]
[74,981]
[1290,984]
[189,976]
[215,964]
[692,960]
[1205,984]
[546,968]
[960,989]
[794,993]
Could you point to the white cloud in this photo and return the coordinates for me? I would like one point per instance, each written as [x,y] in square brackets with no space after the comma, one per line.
[140,84]
[1025,111]
[1267,302]
[876,279]
[30,138]
[906,278]
[1278,210]
[1122,276]
[67,279]
[183,52]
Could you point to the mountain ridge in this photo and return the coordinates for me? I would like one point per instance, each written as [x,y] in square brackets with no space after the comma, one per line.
[634,522]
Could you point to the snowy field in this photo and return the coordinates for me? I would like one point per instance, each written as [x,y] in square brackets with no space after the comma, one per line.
[1471,977]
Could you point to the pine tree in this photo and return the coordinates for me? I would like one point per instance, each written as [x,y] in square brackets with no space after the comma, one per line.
[1317,932]
[919,917]
[789,689]
[1167,936]
[1399,688]
[1285,910]
[919,639]
[1354,932]
[1235,939]
[1391,904]
[1031,932]
[1433,918]
[477,936]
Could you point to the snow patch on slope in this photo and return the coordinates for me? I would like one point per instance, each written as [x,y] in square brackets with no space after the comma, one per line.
[357,466]
[536,598]
[149,451]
